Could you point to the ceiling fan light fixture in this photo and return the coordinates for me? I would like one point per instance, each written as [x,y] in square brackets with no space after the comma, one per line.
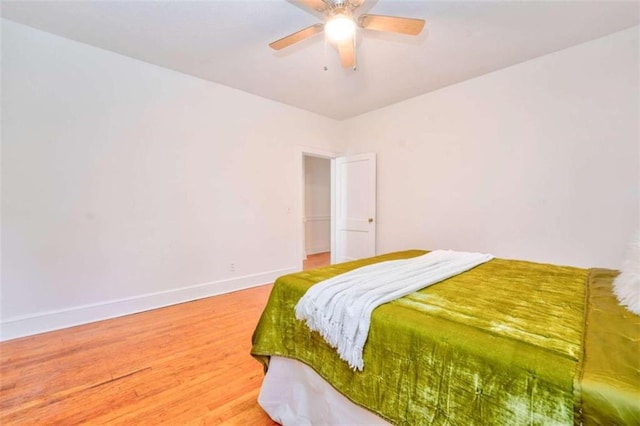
[340,27]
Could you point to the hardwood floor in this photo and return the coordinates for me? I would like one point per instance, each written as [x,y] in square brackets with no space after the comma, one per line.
[187,363]
[317,260]
[183,364]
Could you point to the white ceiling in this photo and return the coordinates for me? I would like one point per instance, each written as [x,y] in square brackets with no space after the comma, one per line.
[226,42]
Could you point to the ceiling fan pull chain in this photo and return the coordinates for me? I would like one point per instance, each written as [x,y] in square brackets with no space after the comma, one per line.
[325,54]
[355,53]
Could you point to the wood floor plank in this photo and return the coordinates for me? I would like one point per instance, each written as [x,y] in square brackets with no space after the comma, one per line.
[317,260]
[183,364]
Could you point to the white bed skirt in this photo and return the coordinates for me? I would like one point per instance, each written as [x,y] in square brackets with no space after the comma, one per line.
[293,394]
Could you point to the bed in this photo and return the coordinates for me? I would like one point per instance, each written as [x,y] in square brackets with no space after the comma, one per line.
[508,342]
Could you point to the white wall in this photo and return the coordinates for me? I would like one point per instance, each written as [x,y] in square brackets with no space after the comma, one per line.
[538,161]
[317,205]
[127,186]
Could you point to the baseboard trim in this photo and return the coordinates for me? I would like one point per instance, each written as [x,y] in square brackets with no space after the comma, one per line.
[27,325]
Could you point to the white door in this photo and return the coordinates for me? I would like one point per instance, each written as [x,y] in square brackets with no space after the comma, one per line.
[355,208]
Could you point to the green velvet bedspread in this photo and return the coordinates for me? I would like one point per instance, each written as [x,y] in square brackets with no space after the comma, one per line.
[500,344]
[608,387]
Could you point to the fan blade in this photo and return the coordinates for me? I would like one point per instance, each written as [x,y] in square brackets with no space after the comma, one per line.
[392,24]
[347,54]
[317,5]
[296,37]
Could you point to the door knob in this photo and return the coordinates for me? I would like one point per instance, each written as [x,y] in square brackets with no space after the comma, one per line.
[370,220]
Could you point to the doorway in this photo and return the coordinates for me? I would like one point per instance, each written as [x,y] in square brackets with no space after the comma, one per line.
[317,211]
[352,207]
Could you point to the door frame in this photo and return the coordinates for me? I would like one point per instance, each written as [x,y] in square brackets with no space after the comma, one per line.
[301,152]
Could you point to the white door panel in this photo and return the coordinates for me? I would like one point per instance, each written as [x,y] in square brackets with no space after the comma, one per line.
[355,207]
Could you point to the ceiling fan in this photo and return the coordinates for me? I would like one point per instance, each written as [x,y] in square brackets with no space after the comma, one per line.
[340,26]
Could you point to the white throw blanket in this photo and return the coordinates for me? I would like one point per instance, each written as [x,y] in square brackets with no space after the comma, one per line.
[340,308]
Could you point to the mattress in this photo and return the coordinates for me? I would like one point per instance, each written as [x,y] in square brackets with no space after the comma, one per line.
[500,344]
